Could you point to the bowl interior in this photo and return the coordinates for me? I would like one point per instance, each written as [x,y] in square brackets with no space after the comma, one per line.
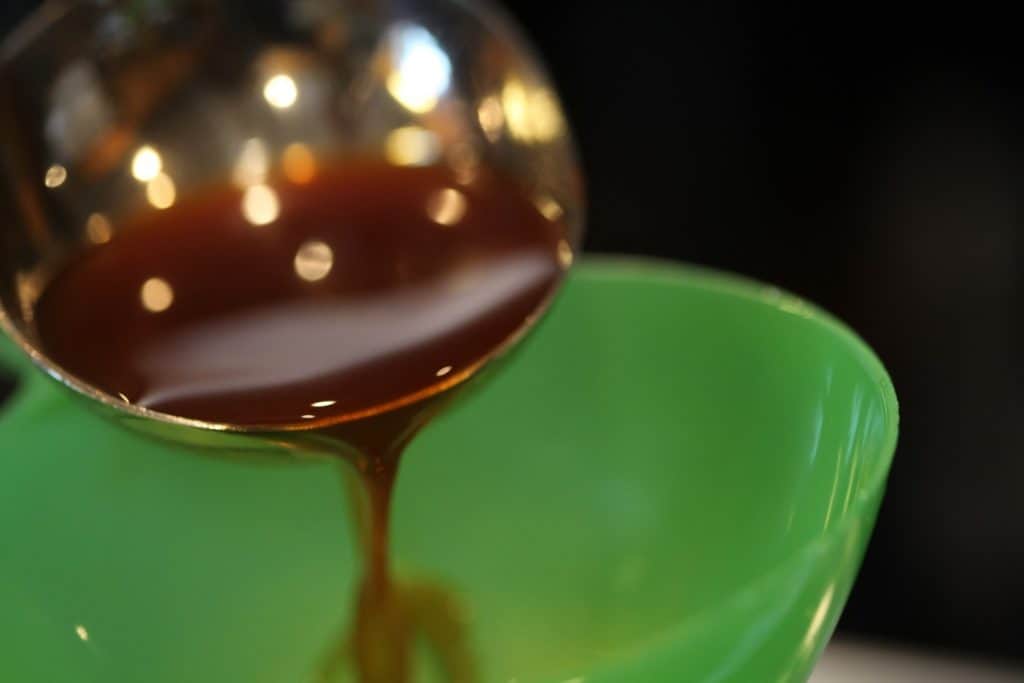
[673,479]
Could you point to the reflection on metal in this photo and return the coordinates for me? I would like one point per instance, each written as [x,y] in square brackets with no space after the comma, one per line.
[146,164]
[298,163]
[548,207]
[156,295]
[314,261]
[260,205]
[446,207]
[532,115]
[491,117]
[253,163]
[280,91]
[412,146]
[98,229]
[565,255]
[420,69]
[161,192]
[56,175]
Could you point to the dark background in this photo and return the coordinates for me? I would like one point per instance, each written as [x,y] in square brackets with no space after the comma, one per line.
[871,160]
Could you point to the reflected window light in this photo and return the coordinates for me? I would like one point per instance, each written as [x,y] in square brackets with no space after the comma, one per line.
[161,192]
[565,255]
[253,163]
[446,207]
[82,633]
[314,261]
[323,404]
[55,176]
[531,115]
[412,146]
[819,618]
[298,163]
[146,164]
[491,117]
[156,295]
[98,229]
[549,208]
[280,91]
[260,205]
[444,371]
[421,71]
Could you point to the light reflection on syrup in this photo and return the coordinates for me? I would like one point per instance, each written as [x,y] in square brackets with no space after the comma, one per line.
[55,176]
[314,261]
[446,207]
[323,404]
[280,91]
[260,205]
[161,191]
[98,229]
[156,295]
[146,164]
[411,146]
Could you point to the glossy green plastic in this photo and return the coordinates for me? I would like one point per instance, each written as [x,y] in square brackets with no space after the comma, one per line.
[673,479]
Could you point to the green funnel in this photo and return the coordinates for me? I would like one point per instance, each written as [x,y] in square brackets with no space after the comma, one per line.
[674,479]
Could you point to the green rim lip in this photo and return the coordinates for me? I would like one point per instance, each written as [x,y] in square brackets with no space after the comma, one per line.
[649,269]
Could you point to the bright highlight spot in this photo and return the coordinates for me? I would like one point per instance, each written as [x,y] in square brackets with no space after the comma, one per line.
[412,146]
[260,205]
[98,229]
[82,633]
[156,294]
[314,261]
[161,192]
[298,163]
[280,91]
[444,371]
[146,164]
[421,71]
[446,207]
[549,208]
[531,115]
[323,404]
[565,255]
[55,176]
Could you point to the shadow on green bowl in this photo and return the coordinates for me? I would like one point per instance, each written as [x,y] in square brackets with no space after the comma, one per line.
[673,480]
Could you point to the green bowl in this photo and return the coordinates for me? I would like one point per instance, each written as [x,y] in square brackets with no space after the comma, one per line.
[674,479]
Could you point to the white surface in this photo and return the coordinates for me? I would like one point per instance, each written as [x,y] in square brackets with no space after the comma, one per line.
[847,662]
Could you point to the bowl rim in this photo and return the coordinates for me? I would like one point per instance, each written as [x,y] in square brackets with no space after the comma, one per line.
[648,269]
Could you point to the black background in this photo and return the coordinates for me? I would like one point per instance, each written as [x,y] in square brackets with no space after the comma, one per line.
[870,159]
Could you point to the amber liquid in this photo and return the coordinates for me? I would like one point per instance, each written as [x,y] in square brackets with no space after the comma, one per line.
[350,304]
